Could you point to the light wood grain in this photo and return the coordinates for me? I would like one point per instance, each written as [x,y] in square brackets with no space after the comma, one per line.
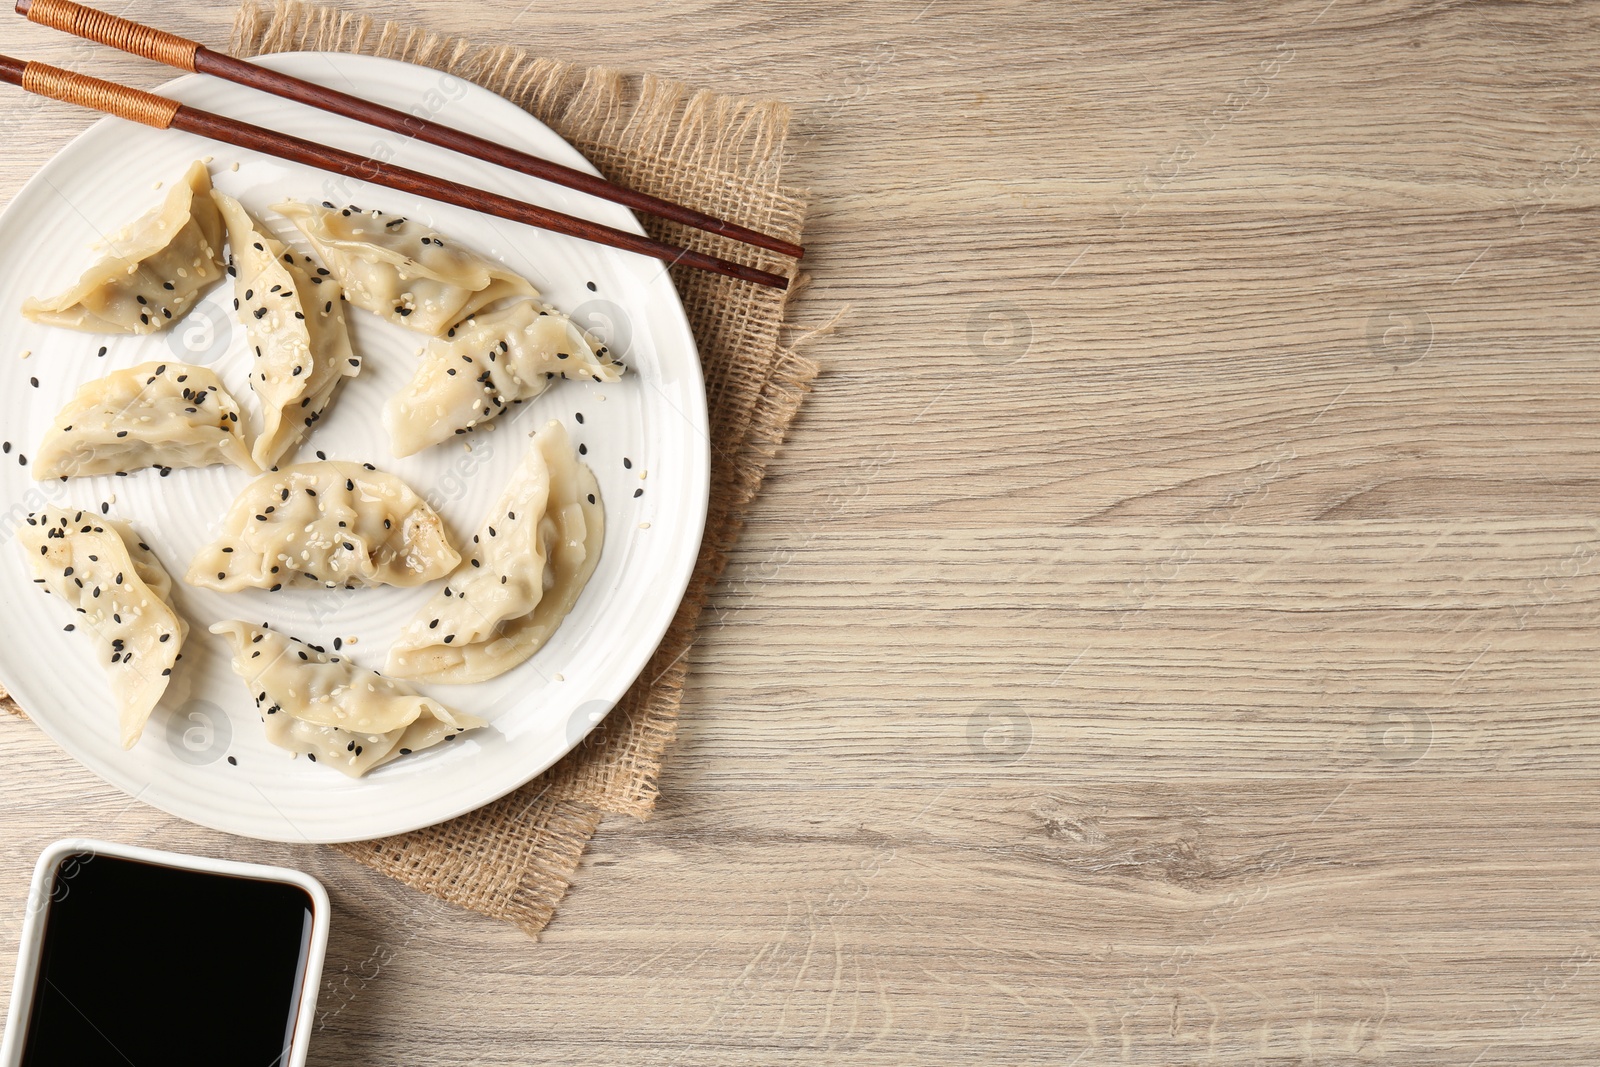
[1169,636]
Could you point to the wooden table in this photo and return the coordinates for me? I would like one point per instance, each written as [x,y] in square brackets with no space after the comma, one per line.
[1168,636]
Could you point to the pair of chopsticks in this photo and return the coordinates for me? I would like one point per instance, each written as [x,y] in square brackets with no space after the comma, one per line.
[162,112]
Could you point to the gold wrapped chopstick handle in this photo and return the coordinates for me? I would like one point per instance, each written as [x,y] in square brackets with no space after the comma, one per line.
[135,105]
[108,29]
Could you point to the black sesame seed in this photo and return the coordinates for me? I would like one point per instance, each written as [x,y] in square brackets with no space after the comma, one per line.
[232,761]
[579,417]
[638,492]
[591,287]
[34,382]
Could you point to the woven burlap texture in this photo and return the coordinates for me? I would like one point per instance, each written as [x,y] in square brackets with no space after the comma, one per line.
[514,859]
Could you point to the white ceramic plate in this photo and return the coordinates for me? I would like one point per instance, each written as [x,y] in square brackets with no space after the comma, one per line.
[203,756]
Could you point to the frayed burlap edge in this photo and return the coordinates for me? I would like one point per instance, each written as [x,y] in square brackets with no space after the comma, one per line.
[514,859]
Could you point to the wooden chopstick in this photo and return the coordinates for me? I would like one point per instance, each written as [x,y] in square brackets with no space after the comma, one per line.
[136,105]
[105,28]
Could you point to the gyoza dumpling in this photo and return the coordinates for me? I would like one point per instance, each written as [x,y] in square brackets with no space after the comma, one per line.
[158,268]
[294,319]
[491,361]
[325,523]
[331,709]
[123,598]
[164,415]
[527,566]
[401,269]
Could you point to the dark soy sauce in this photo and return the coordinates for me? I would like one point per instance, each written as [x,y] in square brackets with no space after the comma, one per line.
[145,964]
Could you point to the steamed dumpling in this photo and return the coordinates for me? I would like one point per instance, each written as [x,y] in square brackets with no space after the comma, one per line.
[123,600]
[401,269]
[329,524]
[156,271]
[332,710]
[489,362]
[528,563]
[164,415]
[293,315]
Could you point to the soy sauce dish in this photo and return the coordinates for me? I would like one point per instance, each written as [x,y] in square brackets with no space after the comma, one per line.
[135,956]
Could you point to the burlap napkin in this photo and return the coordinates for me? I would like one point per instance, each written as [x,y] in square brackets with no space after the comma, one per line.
[514,858]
